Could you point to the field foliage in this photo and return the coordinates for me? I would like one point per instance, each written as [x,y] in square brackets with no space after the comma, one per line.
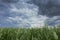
[30,33]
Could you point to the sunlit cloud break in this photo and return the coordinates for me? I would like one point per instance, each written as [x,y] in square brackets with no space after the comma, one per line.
[27,16]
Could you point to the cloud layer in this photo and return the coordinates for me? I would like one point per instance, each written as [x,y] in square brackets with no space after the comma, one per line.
[28,13]
[20,14]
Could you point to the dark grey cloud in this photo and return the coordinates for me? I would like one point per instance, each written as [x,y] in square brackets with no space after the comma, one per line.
[10,1]
[53,21]
[48,7]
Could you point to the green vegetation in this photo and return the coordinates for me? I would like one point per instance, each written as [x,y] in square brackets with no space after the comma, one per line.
[30,33]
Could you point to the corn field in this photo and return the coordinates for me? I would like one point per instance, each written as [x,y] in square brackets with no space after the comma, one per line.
[30,33]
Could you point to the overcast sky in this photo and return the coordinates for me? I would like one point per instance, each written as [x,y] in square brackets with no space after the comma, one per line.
[29,13]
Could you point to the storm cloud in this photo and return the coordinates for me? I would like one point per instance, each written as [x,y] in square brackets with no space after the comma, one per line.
[26,13]
[49,8]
